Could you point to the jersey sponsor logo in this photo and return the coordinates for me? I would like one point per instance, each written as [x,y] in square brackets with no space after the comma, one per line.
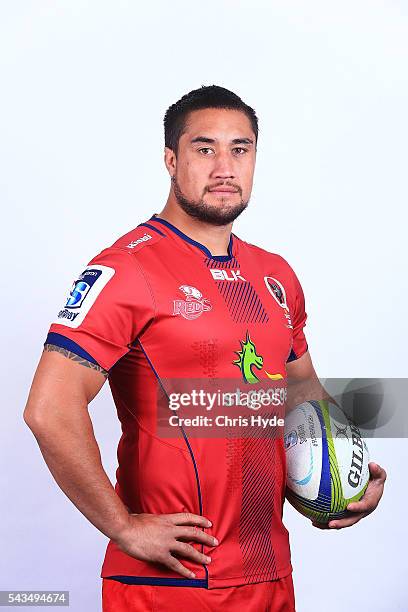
[249,359]
[134,243]
[83,294]
[277,291]
[67,314]
[193,306]
[228,275]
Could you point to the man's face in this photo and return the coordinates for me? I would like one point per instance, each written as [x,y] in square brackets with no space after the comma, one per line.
[214,167]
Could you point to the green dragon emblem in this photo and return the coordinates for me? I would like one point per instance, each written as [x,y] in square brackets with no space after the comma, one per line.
[249,358]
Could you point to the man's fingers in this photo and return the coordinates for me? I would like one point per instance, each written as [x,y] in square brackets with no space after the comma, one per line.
[193,534]
[340,523]
[346,522]
[175,565]
[374,491]
[320,525]
[189,552]
[366,505]
[187,518]
[377,472]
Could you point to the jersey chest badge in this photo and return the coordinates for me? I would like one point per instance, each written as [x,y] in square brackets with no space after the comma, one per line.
[277,291]
[249,361]
[193,305]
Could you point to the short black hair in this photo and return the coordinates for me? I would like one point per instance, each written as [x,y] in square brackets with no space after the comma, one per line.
[207,96]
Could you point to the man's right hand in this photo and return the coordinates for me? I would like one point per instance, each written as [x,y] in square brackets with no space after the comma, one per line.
[160,538]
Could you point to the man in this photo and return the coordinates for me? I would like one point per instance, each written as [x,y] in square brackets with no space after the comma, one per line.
[193,521]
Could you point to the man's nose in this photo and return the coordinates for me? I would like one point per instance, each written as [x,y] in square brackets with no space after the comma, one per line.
[223,166]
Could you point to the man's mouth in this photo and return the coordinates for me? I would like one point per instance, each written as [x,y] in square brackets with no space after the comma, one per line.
[223,190]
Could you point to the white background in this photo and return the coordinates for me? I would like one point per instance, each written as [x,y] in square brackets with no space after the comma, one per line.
[84,87]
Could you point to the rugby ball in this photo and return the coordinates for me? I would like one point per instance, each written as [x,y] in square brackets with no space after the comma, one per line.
[326,460]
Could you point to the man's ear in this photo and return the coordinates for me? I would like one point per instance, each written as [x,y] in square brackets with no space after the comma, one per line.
[170,160]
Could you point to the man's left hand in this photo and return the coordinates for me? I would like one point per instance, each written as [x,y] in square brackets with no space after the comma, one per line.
[367,503]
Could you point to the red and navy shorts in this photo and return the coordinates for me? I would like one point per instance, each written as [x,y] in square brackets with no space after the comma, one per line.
[273,596]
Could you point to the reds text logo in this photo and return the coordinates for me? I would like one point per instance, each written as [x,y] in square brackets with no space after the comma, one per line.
[193,306]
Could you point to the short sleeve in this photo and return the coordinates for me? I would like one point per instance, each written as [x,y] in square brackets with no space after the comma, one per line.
[296,303]
[108,307]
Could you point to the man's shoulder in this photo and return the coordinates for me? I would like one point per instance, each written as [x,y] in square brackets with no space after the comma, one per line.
[131,243]
[138,238]
[263,255]
[274,268]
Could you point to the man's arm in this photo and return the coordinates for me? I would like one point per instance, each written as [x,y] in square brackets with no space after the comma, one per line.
[57,413]
[304,385]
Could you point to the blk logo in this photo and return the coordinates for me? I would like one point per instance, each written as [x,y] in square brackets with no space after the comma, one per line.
[226,275]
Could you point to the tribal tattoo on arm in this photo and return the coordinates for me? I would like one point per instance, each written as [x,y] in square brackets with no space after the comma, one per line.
[77,358]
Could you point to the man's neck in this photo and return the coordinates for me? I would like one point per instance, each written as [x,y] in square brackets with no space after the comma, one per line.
[215,237]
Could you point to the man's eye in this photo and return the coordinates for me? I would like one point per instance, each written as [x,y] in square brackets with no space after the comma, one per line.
[206,150]
[240,150]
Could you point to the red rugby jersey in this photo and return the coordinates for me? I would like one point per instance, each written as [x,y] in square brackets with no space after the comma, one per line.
[155,306]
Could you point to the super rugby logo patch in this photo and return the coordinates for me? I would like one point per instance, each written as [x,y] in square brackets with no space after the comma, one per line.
[193,305]
[83,294]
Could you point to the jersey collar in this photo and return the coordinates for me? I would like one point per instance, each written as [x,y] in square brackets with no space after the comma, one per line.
[200,246]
